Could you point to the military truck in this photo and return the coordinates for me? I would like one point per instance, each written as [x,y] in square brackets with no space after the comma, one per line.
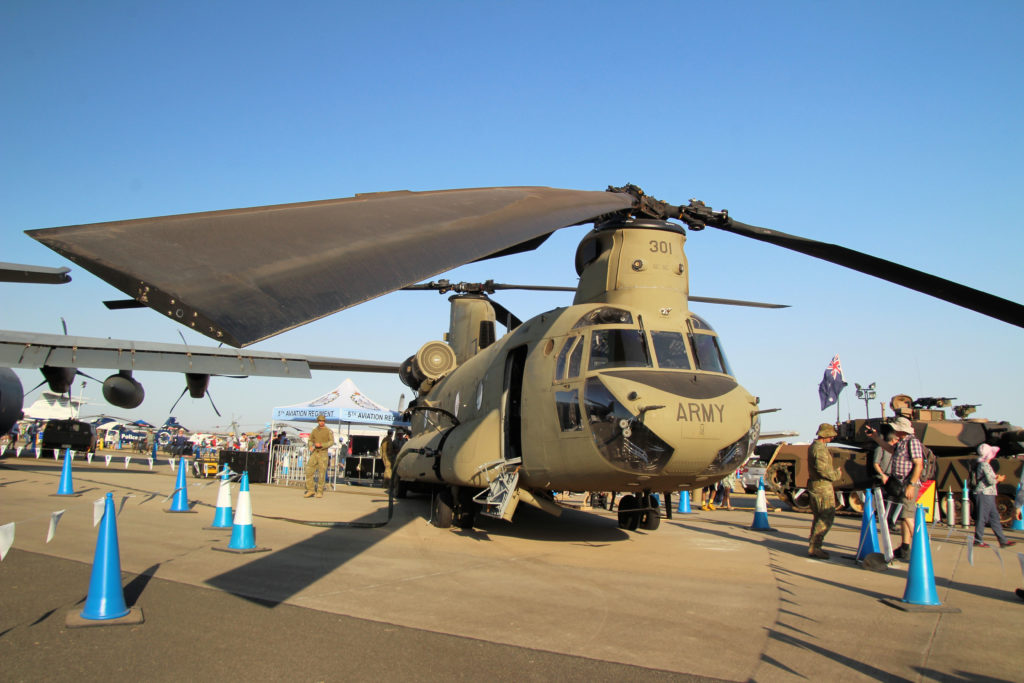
[954,442]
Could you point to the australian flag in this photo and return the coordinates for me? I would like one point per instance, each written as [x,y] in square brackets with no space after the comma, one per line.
[831,384]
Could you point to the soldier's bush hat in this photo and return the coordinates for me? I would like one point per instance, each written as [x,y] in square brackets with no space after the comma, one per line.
[825,430]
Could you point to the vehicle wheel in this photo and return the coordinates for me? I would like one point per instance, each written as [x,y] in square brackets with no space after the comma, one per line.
[441,514]
[800,502]
[855,501]
[401,489]
[629,517]
[1007,512]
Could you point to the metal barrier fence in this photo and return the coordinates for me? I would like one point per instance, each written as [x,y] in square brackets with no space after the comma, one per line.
[287,467]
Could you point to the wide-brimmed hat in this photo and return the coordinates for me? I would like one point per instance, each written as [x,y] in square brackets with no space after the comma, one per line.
[986,452]
[825,430]
[902,424]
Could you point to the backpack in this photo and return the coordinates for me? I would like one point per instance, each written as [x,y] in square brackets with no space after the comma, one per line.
[929,465]
[972,475]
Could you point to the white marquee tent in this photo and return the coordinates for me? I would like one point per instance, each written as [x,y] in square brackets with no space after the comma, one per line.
[344,404]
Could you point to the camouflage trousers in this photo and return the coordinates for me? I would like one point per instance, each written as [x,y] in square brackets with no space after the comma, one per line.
[316,471]
[823,507]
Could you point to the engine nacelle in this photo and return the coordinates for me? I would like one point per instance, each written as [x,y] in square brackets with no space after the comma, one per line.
[123,390]
[433,361]
[197,384]
[59,379]
[11,396]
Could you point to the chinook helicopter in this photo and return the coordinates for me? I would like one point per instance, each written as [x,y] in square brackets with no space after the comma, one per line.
[625,390]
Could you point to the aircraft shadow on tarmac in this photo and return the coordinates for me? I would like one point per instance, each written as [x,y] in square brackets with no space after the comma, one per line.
[270,579]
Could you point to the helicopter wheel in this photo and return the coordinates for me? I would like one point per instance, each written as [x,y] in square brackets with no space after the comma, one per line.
[441,513]
[629,516]
[465,512]
[650,520]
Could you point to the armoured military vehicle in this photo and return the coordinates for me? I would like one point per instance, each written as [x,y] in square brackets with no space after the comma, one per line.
[954,442]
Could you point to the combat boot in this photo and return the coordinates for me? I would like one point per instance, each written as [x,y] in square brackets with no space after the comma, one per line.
[308,494]
[819,553]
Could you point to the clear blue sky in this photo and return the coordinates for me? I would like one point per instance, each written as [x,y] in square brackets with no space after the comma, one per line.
[893,128]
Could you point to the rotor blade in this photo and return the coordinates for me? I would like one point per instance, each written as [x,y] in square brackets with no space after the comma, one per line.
[505,316]
[735,302]
[17,272]
[209,396]
[953,292]
[243,275]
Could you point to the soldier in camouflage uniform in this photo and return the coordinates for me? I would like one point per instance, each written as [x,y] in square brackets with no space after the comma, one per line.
[821,474]
[320,439]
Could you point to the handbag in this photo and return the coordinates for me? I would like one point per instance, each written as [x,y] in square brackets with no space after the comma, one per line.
[894,488]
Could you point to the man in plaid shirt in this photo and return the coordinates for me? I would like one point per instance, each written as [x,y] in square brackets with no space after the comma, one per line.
[907,461]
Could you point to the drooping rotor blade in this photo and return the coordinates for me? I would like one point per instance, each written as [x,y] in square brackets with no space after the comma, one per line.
[243,275]
[734,302]
[940,288]
[505,316]
[17,272]
[121,304]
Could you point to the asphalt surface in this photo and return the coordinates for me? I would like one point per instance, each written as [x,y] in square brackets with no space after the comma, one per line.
[574,598]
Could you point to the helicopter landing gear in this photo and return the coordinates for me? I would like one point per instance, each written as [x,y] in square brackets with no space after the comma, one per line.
[441,512]
[453,507]
[638,512]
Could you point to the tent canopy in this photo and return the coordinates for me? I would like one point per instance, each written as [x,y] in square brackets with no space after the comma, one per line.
[345,403]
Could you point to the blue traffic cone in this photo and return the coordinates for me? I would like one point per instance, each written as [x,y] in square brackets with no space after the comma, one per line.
[761,510]
[66,488]
[243,536]
[684,503]
[868,529]
[222,517]
[1018,522]
[920,577]
[180,502]
[106,597]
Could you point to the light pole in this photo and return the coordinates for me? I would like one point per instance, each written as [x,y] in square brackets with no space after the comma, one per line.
[867,394]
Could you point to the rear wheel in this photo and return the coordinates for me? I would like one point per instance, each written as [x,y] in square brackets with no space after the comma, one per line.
[799,500]
[441,514]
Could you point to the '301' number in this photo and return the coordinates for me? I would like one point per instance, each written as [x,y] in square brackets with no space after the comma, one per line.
[661,247]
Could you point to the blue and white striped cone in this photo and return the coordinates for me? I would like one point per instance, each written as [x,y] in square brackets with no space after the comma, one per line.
[868,529]
[105,603]
[66,486]
[180,502]
[761,510]
[222,518]
[1018,523]
[684,503]
[243,536]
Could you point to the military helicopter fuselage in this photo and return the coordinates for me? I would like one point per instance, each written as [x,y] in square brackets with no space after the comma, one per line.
[625,390]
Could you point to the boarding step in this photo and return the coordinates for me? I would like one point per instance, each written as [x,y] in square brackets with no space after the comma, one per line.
[501,496]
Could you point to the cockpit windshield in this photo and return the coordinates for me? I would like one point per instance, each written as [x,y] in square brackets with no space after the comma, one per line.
[670,350]
[709,354]
[618,349]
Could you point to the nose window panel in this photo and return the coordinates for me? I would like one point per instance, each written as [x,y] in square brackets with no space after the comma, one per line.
[618,349]
[708,354]
[568,405]
[619,435]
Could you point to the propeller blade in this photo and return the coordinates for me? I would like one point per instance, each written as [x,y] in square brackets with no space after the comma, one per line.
[176,402]
[212,403]
[338,252]
[940,288]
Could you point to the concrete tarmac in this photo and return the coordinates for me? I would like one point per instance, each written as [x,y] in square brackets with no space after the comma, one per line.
[703,597]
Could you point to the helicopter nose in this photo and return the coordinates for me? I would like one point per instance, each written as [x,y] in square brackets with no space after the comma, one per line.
[694,424]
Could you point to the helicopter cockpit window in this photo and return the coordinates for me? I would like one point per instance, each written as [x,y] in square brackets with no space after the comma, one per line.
[567,403]
[670,350]
[617,349]
[700,323]
[575,360]
[708,353]
[563,355]
[606,315]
